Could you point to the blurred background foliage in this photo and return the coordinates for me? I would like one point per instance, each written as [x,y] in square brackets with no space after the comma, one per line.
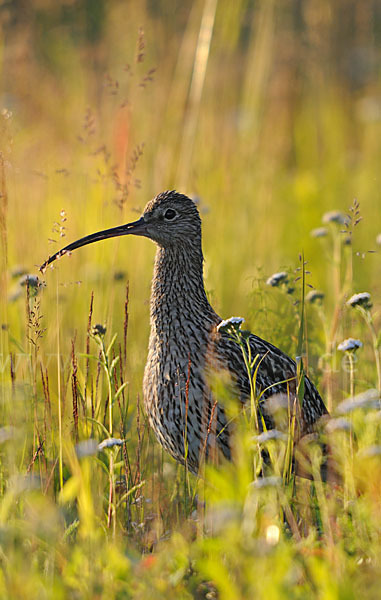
[266,111]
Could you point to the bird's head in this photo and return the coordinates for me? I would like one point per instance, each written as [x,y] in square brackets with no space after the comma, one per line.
[170,219]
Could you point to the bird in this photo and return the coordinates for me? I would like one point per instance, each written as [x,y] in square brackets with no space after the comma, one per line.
[187,344]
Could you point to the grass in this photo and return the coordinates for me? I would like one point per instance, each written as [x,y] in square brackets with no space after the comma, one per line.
[99,106]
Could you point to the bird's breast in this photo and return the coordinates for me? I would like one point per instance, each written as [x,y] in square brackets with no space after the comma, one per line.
[175,368]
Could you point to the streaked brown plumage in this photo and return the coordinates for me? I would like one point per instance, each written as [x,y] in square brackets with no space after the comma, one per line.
[185,346]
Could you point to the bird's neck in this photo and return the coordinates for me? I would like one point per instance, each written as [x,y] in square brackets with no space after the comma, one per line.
[178,291]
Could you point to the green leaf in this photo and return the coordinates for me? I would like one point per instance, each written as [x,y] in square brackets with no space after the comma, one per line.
[120,390]
[111,345]
[102,427]
[113,364]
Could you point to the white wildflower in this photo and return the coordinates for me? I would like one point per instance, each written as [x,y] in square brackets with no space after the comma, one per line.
[369,399]
[319,232]
[335,216]
[363,299]
[110,443]
[338,424]
[315,296]
[234,323]
[277,279]
[349,345]
[31,280]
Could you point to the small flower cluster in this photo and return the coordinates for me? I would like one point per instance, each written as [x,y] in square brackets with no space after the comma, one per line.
[277,279]
[30,280]
[230,325]
[349,345]
[338,424]
[315,297]
[366,401]
[90,447]
[319,232]
[25,280]
[362,300]
[98,330]
[335,216]
[280,279]
[110,443]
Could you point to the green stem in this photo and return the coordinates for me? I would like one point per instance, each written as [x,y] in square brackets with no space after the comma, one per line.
[376,351]
[109,384]
[367,316]
[351,375]
[352,394]
[60,459]
[111,520]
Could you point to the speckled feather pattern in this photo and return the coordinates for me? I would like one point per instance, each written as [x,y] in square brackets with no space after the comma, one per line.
[184,345]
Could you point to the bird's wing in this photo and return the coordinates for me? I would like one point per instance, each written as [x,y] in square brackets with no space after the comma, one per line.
[274,373]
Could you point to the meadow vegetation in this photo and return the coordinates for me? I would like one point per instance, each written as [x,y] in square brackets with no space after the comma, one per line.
[268,113]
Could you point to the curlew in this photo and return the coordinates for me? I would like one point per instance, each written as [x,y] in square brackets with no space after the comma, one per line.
[186,343]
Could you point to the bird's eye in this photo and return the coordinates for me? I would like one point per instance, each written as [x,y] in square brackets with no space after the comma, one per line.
[170,214]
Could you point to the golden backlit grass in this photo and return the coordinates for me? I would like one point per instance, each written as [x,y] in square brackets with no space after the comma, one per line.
[270,121]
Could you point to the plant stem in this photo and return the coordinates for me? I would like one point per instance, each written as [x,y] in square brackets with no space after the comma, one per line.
[60,460]
[376,351]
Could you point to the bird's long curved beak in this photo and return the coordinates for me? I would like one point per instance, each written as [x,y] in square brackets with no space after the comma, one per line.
[136,228]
